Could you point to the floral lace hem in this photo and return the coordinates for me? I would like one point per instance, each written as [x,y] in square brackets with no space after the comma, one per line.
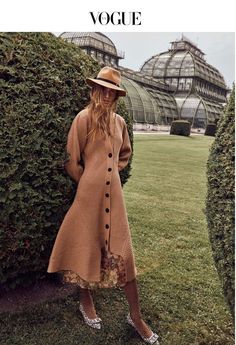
[112,273]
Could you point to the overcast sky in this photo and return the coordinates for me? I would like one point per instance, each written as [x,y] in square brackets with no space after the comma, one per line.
[219,48]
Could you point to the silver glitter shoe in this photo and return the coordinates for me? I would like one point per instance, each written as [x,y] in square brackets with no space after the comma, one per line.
[151,340]
[94,323]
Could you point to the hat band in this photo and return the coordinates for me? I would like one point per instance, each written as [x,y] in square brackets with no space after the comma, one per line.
[108,81]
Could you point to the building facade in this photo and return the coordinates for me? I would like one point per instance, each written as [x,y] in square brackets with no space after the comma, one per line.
[176,84]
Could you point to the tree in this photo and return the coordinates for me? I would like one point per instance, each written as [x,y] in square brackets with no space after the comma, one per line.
[220,200]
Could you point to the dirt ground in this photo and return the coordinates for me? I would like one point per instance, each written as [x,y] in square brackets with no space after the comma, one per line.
[44,290]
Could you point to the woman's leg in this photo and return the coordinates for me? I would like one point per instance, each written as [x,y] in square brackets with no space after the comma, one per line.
[87,302]
[131,293]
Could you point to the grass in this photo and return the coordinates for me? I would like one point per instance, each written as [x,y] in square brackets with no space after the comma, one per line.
[180,293]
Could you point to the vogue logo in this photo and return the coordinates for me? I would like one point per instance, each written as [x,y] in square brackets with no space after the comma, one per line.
[117,18]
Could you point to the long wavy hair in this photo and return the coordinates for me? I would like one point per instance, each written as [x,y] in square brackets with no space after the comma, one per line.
[100,114]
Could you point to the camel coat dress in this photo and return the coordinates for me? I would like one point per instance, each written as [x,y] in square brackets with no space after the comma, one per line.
[97,219]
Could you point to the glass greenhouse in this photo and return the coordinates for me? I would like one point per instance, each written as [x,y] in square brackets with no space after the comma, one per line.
[171,85]
[148,105]
[97,45]
[200,89]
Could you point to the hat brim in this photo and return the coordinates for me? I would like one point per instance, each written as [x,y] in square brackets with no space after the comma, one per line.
[91,82]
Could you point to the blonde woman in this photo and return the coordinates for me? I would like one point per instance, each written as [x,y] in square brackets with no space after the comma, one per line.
[93,247]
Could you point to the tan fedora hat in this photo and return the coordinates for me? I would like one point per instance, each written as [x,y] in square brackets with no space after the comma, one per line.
[108,77]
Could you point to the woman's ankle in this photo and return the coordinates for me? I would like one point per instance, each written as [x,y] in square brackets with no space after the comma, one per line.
[87,303]
[141,325]
[135,315]
[84,294]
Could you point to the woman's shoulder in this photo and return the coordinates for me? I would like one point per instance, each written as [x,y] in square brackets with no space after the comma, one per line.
[82,117]
[120,119]
[83,114]
[81,120]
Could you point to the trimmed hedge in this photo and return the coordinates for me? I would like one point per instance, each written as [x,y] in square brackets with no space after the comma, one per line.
[180,127]
[210,129]
[42,82]
[220,205]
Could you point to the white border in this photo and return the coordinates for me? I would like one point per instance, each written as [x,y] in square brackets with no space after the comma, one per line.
[159,15]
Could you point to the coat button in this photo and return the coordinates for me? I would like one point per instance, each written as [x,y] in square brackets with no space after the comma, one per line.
[109,169]
[107,195]
[107,226]
[106,241]
[110,155]
[108,182]
[107,210]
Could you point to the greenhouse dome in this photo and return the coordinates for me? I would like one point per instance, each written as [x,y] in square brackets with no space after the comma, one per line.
[175,84]
[200,89]
[186,61]
[97,45]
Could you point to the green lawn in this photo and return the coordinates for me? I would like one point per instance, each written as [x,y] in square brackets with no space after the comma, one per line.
[180,293]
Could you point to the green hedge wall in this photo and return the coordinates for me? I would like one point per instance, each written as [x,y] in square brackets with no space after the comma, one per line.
[210,129]
[180,127]
[42,83]
[220,205]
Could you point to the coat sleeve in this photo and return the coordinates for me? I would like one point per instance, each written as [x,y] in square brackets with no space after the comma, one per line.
[76,142]
[125,151]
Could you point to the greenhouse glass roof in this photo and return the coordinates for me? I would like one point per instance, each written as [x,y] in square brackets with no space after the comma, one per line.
[148,105]
[182,61]
[96,40]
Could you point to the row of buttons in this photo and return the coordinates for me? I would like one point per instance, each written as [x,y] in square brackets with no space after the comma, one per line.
[107,210]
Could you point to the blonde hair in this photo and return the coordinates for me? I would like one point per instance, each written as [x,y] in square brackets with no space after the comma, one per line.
[100,115]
